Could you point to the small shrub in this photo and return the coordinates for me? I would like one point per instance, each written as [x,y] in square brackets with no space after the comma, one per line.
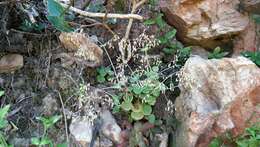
[250,138]
[253,56]
[48,123]
[3,123]
[139,95]
[104,74]
[217,54]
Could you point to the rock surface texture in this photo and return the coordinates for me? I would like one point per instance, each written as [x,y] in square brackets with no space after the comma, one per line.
[208,23]
[252,6]
[10,63]
[216,96]
[81,49]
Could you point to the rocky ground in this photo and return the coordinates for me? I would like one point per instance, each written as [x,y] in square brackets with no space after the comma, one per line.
[72,80]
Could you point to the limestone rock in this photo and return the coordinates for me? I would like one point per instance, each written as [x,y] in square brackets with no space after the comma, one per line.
[81,129]
[83,49]
[207,23]
[110,128]
[252,6]
[217,96]
[10,63]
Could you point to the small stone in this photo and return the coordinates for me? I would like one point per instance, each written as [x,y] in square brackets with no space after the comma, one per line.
[84,50]
[109,127]
[81,129]
[199,51]
[50,105]
[10,63]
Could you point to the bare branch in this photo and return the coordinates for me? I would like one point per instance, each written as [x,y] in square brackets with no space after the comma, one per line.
[102,15]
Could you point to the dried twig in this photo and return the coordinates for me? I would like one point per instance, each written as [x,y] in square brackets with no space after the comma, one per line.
[102,15]
[130,23]
[65,118]
[124,44]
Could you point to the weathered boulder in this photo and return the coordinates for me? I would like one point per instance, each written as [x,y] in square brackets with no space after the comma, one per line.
[252,6]
[10,63]
[217,96]
[208,23]
[109,127]
[82,50]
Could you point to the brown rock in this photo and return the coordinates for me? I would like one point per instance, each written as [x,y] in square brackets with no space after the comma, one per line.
[247,40]
[110,128]
[10,63]
[84,50]
[216,96]
[252,6]
[207,23]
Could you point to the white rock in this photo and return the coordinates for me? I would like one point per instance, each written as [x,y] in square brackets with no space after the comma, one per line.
[81,129]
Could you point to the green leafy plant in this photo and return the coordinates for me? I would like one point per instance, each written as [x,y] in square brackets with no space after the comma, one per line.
[250,138]
[217,54]
[104,74]
[56,16]
[253,56]
[158,20]
[216,142]
[3,122]
[28,26]
[170,47]
[140,95]
[47,124]
[256,18]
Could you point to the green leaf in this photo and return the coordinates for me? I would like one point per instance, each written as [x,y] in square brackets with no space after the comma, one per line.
[155,68]
[45,141]
[3,123]
[168,51]
[137,89]
[137,115]
[256,18]
[49,122]
[126,105]
[135,78]
[116,99]
[159,21]
[35,141]
[2,93]
[4,111]
[156,92]
[163,40]
[137,107]
[216,142]
[217,50]
[116,109]
[171,34]
[147,109]
[102,71]
[151,118]
[62,145]
[147,89]
[150,100]
[101,79]
[54,8]
[149,22]
[59,23]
